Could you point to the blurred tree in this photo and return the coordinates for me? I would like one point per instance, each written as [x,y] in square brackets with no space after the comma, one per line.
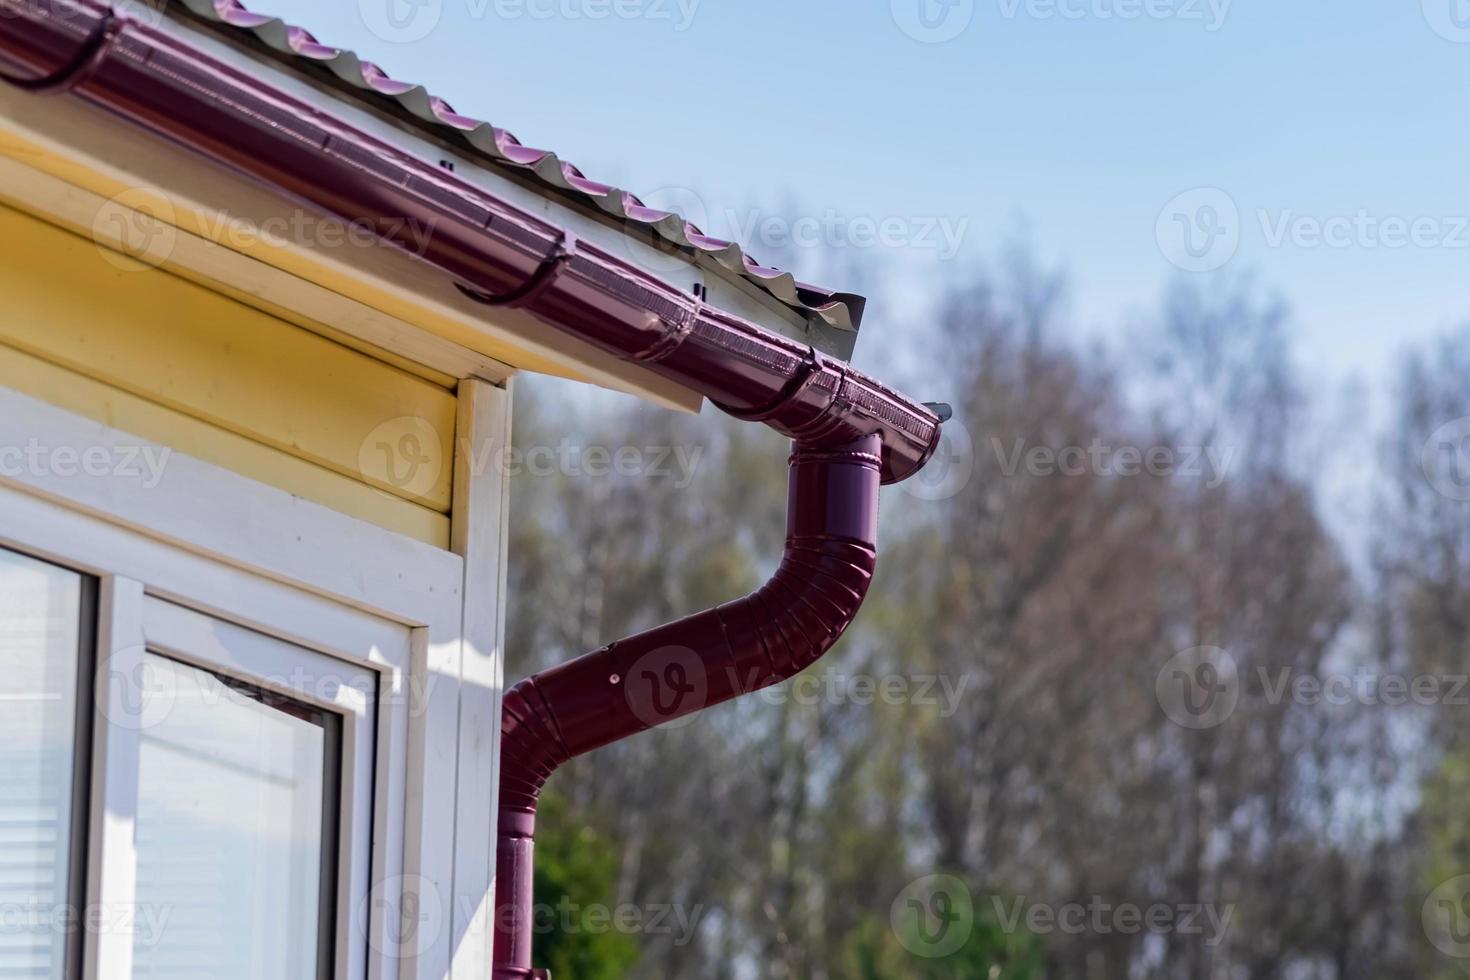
[874,952]
[576,872]
[1038,586]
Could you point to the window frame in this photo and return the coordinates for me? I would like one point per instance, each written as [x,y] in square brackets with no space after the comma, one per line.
[77,836]
[229,548]
[245,658]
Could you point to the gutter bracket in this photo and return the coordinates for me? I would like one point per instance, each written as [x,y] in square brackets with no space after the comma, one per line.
[80,68]
[540,281]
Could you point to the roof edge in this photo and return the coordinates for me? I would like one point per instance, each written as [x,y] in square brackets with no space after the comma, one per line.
[415,105]
[495,252]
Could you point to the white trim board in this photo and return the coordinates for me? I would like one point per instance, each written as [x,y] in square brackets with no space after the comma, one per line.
[215,542]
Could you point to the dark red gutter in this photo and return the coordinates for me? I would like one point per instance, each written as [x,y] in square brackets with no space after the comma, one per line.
[485,245]
[850,431]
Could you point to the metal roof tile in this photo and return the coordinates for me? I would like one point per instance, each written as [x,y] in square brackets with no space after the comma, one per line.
[498,146]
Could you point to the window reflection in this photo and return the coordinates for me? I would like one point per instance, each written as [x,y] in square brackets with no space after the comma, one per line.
[41,644]
[235,831]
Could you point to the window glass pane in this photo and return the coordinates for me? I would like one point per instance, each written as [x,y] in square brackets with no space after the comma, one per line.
[40,652]
[233,845]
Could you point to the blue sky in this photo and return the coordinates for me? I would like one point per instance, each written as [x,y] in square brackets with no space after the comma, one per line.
[1321,146]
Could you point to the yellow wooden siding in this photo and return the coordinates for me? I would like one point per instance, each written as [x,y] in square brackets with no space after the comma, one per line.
[120,410]
[179,364]
[378,278]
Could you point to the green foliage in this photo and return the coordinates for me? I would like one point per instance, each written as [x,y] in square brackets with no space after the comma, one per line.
[576,870]
[876,952]
[1448,839]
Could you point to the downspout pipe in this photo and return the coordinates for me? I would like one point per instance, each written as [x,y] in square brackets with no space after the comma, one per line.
[492,250]
[689,665]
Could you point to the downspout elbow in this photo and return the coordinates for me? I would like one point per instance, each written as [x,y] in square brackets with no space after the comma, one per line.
[695,663]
